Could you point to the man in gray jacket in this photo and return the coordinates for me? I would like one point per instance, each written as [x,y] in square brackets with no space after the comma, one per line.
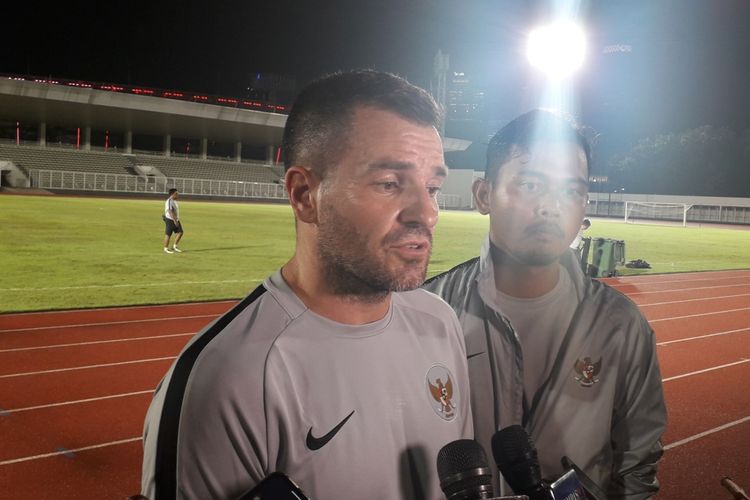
[567,357]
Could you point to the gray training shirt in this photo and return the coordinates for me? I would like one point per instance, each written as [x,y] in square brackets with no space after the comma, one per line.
[346,411]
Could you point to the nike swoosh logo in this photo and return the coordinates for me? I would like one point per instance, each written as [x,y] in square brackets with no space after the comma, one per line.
[314,443]
[475,354]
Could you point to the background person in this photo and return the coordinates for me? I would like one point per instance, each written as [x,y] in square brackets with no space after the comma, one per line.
[338,370]
[578,367]
[585,224]
[172,221]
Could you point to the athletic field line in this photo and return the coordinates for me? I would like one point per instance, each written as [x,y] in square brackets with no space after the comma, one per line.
[58,370]
[93,342]
[677,290]
[706,433]
[67,452]
[127,285]
[699,337]
[78,401]
[700,314]
[628,280]
[122,308]
[705,370]
[699,299]
[105,323]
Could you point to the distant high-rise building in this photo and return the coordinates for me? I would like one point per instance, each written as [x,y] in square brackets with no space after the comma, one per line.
[271,88]
[464,107]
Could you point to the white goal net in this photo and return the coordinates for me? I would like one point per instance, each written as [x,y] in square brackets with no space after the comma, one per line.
[640,211]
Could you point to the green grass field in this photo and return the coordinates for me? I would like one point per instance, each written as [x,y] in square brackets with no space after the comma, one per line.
[65,252]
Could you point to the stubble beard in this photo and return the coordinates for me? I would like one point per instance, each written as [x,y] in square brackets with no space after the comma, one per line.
[527,257]
[352,269]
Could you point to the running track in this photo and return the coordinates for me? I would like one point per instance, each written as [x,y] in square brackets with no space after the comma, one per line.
[75,386]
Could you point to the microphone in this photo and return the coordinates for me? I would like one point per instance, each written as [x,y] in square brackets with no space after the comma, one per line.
[518,462]
[593,490]
[737,492]
[464,472]
[275,486]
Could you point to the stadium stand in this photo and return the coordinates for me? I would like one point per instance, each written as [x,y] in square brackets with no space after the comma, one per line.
[50,158]
[212,169]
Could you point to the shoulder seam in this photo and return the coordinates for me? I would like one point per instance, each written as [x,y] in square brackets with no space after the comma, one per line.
[165,472]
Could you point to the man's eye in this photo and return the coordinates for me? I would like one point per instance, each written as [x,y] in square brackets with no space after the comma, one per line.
[530,187]
[388,185]
[433,190]
[574,194]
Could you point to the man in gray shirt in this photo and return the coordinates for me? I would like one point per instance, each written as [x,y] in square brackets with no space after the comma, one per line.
[338,370]
[578,366]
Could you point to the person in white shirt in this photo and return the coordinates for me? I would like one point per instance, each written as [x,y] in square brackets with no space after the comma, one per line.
[172,221]
[577,241]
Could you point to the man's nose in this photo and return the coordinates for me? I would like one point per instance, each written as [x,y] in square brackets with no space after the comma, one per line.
[420,208]
[549,204]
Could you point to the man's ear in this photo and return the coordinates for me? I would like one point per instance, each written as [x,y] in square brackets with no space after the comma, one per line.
[482,190]
[301,184]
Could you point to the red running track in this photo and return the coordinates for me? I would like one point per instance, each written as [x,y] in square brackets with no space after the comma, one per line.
[75,386]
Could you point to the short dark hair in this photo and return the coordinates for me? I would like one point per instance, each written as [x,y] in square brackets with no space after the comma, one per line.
[317,128]
[535,126]
[172,191]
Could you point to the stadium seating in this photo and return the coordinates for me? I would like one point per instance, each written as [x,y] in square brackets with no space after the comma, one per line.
[50,158]
[190,168]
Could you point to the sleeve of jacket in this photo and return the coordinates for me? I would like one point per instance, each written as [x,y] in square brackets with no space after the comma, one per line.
[640,415]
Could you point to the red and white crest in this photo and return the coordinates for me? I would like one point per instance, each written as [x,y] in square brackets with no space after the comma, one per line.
[587,371]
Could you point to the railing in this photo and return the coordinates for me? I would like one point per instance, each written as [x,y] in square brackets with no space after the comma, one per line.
[126,183]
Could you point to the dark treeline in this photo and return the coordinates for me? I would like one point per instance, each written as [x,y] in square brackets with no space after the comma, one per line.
[704,161]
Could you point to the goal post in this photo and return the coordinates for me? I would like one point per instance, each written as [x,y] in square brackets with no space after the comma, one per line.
[656,211]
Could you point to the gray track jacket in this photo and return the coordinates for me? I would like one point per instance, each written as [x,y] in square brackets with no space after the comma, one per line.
[602,405]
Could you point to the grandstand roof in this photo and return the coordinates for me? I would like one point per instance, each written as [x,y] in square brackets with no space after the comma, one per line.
[70,106]
[28,101]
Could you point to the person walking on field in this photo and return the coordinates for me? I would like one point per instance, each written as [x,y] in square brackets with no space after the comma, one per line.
[172,220]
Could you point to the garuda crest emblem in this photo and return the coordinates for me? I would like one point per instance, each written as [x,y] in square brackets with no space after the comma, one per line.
[442,392]
[587,371]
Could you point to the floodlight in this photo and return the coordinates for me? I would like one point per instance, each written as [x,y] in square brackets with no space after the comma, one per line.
[557,49]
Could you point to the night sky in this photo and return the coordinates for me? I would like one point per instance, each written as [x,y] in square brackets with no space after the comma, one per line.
[689,65]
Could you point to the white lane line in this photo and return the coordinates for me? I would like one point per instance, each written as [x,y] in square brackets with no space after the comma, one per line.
[679,290]
[700,314]
[64,403]
[122,308]
[699,337]
[68,452]
[706,433]
[93,342]
[127,285]
[58,370]
[705,370]
[699,299]
[631,280]
[106,323]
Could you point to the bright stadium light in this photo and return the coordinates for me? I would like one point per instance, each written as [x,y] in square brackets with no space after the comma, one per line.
[557,49]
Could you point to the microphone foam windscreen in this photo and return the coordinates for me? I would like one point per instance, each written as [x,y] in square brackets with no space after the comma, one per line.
[516,458]
[462,466]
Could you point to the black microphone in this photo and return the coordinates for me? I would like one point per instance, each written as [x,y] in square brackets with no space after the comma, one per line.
[464,471]
[737,492]
[275,486]
[593,490]
[517,460]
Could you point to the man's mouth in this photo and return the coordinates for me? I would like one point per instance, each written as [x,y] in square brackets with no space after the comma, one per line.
[413,249]
[545,230]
